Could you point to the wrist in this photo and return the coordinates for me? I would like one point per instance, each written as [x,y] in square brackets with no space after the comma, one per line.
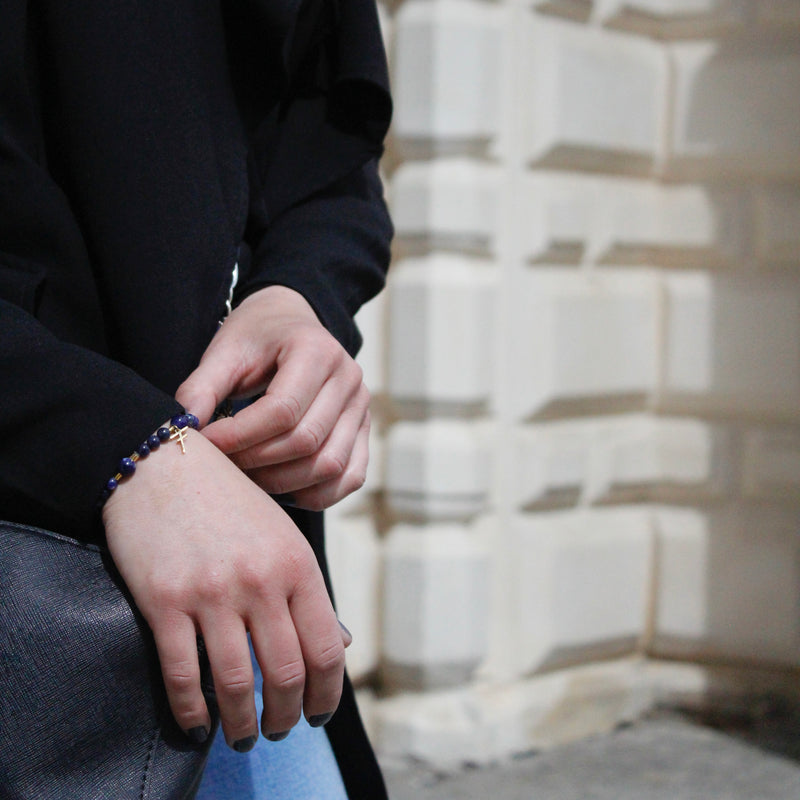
[175,430]
[282,300]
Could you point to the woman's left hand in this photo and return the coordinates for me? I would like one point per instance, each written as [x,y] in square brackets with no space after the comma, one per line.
[307,436]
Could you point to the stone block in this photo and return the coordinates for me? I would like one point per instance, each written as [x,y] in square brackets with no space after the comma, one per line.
[682,575]
[554,216]
[446,76]
[354,557]
[777,210]
[732,344]
[445,204]
[728,585]
[644,458]
[641,222]
[591,100]
[771,463]
[627,458]
[673,18]
[581,583]
[441,331]
[736,110]
[438,469]
[551,463]
[435,605]
[584,341]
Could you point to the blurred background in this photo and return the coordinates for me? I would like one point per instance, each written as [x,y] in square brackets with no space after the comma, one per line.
[584,497]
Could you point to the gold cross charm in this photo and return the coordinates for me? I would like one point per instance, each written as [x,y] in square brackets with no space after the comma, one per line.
[179,435]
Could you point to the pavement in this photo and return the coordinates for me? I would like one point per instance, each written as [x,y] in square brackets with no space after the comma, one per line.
[664,757]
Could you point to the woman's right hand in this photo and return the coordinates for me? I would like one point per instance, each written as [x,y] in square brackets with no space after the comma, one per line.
[204,550]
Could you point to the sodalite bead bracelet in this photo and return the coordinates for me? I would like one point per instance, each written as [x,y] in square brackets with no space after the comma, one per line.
[175,431]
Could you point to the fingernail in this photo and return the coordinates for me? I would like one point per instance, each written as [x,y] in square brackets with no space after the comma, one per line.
[344,628]
[245,745]
[197,735]
[278,737]
[318,720]
[285,499]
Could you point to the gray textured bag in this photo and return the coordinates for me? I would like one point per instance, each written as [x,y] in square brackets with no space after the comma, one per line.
[83,711]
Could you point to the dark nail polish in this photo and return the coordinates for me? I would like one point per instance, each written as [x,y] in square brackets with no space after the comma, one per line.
[245,745]
[318,720]
[285,499]
[278,737]
[344,628]
[197,735]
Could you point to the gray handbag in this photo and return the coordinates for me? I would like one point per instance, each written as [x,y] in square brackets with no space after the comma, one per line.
[83,711]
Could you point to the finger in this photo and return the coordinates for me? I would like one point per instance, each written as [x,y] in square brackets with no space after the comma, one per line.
[299,379]
[322,644]
[324,495]
[229,657]
[337,397]
[212,382]
[329,463]
[176,643]
[283,669]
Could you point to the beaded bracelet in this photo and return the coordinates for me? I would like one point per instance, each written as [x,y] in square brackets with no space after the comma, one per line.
[175,431]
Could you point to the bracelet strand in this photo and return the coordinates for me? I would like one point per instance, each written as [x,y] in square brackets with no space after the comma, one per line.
[174,432]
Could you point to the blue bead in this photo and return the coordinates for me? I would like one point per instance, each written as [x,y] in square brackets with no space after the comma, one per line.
[153,442]
[163,434]
[193,422]
[143,449]
[127,467]
[180,421]
[111,484]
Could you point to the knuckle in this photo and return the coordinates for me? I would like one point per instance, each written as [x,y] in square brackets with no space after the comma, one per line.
[307,438]
[356,478]
[330,350]
[355,375]
[289,678]
[328,660]
[214,591]
[246,460]
[300,564]
[288,411]
[166,592]
[330,465]
[180,680]
[235,682]
[253,579]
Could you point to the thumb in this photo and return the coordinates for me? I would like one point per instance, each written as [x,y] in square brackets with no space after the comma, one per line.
[207,386]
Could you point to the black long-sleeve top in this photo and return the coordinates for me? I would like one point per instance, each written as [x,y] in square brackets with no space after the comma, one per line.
[145,147]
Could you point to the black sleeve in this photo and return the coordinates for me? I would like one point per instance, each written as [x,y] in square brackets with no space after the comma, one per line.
[332,248]
[67,412]
[320,224]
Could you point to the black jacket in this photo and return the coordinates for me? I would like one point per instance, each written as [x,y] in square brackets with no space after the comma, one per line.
[145,147]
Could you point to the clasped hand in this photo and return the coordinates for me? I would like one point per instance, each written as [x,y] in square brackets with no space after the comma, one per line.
[205,550]
[308,435]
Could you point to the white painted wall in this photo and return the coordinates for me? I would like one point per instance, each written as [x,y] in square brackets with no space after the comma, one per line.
[585,483]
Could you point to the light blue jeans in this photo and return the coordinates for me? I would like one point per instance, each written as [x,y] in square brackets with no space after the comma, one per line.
[301,767]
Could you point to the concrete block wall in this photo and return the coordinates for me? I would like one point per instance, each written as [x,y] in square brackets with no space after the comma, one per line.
[584,496]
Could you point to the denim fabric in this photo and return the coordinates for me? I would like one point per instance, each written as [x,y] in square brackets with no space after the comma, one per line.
[301,767]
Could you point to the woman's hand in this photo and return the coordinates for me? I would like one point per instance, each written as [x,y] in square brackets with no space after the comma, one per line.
[308,435]
[204,551]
